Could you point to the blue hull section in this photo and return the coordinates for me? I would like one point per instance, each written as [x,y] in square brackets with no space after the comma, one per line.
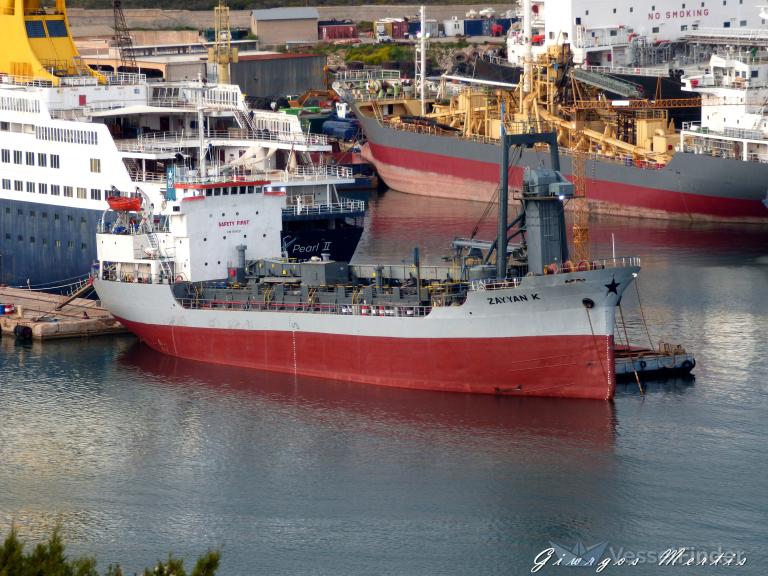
[47,246]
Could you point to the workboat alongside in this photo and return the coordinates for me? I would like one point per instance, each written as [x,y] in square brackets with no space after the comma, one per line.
[533,324]
[69,135]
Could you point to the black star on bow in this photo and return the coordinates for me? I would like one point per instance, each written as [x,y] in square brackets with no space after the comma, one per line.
[613,286]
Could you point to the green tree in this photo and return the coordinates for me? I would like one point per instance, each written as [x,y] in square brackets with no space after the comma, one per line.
[49,559]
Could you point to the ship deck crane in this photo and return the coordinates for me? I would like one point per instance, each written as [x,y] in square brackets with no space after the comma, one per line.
[222,54]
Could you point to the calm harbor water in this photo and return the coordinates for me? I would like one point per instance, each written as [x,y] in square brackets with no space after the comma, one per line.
[137,454]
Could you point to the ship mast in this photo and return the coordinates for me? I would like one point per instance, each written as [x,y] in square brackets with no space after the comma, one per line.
[527,53]
[421,61]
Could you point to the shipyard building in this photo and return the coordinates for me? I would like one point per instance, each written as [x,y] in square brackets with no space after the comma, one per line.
[285,25]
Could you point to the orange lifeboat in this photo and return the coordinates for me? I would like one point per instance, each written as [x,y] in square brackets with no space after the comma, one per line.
[123,204]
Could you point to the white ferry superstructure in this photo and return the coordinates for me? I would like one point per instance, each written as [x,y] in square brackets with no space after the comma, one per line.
[70,135]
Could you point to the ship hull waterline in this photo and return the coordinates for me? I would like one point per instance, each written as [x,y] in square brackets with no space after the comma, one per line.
[562,351]
[691,187]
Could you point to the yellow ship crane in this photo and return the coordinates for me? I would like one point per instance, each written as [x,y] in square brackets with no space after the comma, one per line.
[222,53]
[580,207]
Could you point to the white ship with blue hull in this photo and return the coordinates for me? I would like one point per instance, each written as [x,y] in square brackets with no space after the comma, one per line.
[69,136]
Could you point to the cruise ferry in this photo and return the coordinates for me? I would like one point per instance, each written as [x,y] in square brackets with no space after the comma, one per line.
[69,135]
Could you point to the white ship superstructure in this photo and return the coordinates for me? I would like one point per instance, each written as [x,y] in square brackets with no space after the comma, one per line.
[613,33]
[69,136]
[734,95]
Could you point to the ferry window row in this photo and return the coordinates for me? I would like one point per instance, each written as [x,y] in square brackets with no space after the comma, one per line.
[44,241]
[28,158]
[56,215]
[55,189]
[67,135]
[15,104]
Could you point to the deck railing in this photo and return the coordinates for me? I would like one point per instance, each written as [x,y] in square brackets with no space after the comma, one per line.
[318,209]
[379,310]
[176,140]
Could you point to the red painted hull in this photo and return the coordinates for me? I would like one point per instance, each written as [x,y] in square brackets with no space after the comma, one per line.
[551,366]
[430,174]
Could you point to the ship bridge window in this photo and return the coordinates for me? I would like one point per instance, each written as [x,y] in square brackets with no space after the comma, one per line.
[56,28]
[17,156]
[4,126]
[6,184]
[6,156]
[726,24]
[35,29]
[31,187]
[95,165]
[55,190]
[743,23]
[217,191]
[81,193]
[42,159]
[68,191]
[54,160]
[42,188]
[18,185]
[95,194]
[30,158]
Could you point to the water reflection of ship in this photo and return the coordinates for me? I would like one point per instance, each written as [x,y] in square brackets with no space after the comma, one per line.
[591,424]
[393,213]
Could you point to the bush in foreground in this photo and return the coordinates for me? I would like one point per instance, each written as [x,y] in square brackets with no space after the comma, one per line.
[48,559]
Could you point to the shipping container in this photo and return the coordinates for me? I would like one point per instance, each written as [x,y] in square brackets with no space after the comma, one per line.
[399,29]
[473,27]
[338,32]
[453,27]
[414,26]
[384,28]
[487,27]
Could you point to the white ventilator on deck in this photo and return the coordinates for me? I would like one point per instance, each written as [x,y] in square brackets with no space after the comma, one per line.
[527,55]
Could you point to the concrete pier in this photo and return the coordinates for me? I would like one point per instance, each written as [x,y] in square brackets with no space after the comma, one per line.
[37,310]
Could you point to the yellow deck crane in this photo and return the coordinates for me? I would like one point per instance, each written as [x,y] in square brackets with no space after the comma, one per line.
[222,53]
